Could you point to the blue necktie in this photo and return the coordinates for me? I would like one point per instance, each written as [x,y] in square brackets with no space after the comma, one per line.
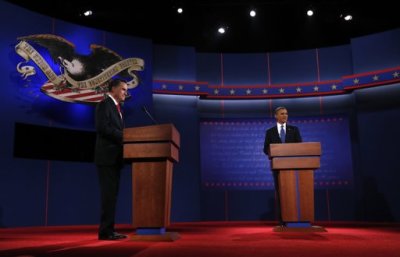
[282,134]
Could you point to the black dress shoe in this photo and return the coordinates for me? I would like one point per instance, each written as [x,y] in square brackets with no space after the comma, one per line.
[119,236]
[113,236]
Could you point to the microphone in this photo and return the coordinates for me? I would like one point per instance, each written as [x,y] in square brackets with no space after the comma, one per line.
[148,114]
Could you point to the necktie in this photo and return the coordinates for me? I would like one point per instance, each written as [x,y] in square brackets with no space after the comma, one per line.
[119,110]
[282,134]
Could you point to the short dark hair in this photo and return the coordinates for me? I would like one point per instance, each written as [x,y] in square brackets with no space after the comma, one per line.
[277,109]
[114,83]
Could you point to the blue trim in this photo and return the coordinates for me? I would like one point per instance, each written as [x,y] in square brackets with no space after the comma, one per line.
[298,224]
[150,231]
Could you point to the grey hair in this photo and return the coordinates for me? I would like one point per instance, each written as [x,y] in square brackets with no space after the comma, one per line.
[277,109]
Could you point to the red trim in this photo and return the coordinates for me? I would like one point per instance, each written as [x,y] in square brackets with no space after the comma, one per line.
[371,72]
[317,56]
[268,71]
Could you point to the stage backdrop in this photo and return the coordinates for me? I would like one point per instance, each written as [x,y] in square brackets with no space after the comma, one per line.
[232,152]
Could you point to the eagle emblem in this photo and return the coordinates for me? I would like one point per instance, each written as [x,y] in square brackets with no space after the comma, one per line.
[81,78]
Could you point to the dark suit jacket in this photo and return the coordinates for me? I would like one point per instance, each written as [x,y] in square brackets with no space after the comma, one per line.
[109,129]
[272,136]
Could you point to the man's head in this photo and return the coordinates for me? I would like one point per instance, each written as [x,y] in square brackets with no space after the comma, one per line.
[281,114]
[118,89]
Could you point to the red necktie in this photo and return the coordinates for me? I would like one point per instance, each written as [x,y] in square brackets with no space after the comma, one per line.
[119,110]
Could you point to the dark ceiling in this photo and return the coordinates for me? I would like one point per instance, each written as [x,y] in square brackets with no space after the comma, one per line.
[278,26]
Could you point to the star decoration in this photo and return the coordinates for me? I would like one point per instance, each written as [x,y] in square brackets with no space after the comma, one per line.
[298,89]
[265,91]
[356,81]
[316,88]
[164,86]
[281,90]
[333,87]
[375,78]
[248,91]
[232,91]
[180,87]
[396,74]
[197,88]
[216,92]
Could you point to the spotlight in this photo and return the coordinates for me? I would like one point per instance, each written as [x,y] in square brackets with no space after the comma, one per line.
[221,30]
[88,13]
[348,17]
[180,10]
[253,13]
[310,12]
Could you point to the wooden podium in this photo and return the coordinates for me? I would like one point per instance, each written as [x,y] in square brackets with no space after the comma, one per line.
[295,164]
[152,151]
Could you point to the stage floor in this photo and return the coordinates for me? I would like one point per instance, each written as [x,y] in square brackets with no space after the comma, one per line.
[220,239]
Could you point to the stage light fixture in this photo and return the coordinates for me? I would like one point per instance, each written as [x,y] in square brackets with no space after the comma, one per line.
[88,13]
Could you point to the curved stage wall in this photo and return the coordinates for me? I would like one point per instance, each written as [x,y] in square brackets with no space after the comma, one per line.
[36,192]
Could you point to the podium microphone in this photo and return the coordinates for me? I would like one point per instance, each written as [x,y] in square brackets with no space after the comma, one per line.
[149,115]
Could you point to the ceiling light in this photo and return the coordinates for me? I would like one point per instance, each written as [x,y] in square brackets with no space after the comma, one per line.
[180,10]
[348,17]
[310,12]
[221,30]
[253,13]
[88,13]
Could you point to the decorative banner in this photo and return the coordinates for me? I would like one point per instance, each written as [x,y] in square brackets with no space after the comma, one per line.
[84,78]
[331,87]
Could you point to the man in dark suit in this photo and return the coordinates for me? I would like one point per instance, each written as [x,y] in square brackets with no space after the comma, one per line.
[109,155]
[281,133]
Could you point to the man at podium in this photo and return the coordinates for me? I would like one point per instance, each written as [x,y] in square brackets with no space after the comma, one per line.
[281,133]
[109,155]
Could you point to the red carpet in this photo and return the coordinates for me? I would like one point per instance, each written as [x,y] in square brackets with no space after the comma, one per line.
[222,239]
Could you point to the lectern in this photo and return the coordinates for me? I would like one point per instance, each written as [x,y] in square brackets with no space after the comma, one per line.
[152,151]
[295,164]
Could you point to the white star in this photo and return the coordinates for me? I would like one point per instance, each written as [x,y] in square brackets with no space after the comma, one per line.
[197,88]
[180,87]
[281,90]
[396,74]
[375,78]
[316,88]
[356,81]
[333,87]
[298,90]
[164,86]
[216,92]
[248,91]
[232,91]
[265,91]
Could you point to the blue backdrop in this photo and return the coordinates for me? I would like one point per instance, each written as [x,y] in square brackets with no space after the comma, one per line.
[232,154]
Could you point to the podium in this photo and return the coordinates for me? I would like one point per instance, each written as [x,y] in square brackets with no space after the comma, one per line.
[295,164]
[152,151]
